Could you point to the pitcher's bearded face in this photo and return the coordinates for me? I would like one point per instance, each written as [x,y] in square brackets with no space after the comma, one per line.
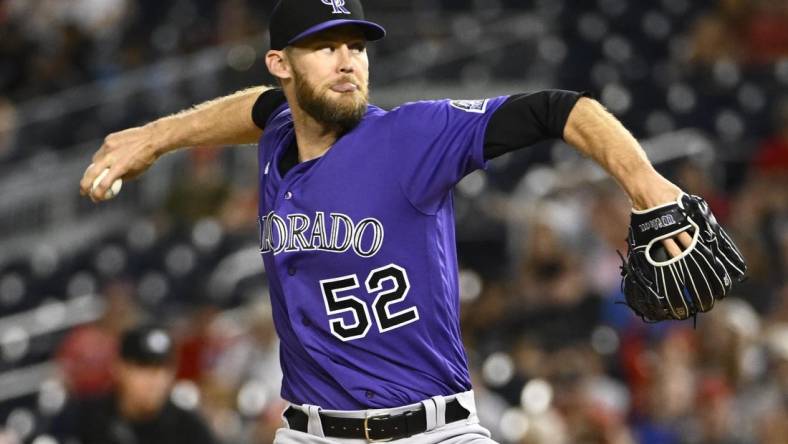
[341,102]
[330,73]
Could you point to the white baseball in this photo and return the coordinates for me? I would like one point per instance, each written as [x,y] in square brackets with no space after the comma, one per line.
[113,190]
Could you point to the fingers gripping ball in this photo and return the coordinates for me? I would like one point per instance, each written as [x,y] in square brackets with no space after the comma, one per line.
[113,190]
[659,287]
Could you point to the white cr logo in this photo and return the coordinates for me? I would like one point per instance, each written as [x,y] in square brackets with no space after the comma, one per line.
[338,5]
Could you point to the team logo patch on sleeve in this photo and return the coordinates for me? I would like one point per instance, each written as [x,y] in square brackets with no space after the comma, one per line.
[471,106]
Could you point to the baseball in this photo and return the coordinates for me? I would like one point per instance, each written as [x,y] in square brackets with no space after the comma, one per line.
[113,190]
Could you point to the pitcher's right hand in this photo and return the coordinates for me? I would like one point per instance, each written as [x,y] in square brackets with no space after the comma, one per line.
[126,154]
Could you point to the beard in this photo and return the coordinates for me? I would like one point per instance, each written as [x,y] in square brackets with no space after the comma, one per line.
[345,113]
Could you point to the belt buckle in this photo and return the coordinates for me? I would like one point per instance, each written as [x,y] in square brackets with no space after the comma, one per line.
[367,429]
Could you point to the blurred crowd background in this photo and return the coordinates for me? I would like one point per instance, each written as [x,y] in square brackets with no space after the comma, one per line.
[555,357]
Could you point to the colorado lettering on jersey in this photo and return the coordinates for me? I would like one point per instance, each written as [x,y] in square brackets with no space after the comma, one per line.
[336,234]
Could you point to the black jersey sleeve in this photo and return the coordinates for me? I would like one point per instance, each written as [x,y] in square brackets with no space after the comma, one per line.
[266,104]
[526,119]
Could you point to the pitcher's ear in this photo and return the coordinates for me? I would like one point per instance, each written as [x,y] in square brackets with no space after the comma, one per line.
[278,64]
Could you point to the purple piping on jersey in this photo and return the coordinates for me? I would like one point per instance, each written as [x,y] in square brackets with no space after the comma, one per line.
[372,31]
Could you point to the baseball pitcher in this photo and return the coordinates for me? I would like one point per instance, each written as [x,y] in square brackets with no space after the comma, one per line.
[357,226]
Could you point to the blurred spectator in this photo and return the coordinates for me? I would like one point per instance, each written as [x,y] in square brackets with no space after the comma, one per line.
[773,421]
[665,396]
[199,344]
[202,191]
[253,357]
[87,354]
[50,45]
[550,298]
[772,155]
[604,406]
[747,31]
[139,410]
[239,211]
[66,62]
[760,212]
[16,51]
[7,437]
[8,123]
[716,422]
[714,39]
[547,428]
[236,21]
[766,31]
[98,18]
[220,409]
[267,424]
[609,211]
[247,370]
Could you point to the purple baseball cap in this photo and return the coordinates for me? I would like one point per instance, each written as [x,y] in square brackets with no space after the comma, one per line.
[293,20]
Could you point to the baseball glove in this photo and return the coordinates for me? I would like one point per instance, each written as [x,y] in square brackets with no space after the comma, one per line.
[658,287]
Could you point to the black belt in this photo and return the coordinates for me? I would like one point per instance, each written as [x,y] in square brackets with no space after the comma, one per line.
[375,428]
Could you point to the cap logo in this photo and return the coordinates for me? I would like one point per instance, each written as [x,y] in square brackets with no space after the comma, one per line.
[158,341]
[338,5]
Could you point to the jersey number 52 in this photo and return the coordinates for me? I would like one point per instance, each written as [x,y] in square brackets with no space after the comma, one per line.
[384,318]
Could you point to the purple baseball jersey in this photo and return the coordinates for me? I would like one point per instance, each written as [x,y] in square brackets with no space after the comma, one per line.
[360,253]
